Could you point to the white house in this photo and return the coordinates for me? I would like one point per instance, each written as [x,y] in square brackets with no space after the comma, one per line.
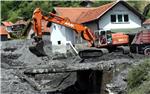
[116,16]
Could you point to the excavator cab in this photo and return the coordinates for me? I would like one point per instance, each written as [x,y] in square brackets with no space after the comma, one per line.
[103,37]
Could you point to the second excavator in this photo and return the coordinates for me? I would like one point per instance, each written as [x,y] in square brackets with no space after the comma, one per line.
[99,42]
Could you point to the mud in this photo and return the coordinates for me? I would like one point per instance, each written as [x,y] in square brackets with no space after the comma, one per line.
[16,57]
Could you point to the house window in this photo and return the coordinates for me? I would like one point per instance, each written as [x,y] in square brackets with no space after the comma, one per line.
[59,42]
[54,27]
[113,18]
[126,18]
[119,18]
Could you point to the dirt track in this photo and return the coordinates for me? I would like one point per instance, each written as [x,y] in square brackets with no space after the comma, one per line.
[16,57]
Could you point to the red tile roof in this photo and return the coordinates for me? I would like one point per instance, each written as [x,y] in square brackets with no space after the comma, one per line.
[147,21]
[7,23]
[94,13]
[82,15]
[71,13]
[3,31]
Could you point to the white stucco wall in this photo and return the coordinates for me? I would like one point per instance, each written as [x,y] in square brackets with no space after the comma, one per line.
[134,20]
[70,35]
[61,33]
[58,34]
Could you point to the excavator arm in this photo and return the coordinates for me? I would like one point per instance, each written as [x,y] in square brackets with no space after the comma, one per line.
[84,31]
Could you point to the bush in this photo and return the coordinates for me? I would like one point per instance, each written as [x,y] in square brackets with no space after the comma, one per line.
[139,78]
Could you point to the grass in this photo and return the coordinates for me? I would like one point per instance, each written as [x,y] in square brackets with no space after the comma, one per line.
[139,78]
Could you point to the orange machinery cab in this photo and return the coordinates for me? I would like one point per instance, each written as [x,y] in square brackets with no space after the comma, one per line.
[119,38]
[106,37]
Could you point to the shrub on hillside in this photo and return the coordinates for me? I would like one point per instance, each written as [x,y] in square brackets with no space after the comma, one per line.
[139,78]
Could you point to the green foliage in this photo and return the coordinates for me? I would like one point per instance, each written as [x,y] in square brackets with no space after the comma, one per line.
[17,34]
[13,16]
[148,15]
[139,78]
[137,5]
[140,5]
[142,89]
[99,3]
[12,10]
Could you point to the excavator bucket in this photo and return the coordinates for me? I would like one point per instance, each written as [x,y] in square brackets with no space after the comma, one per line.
[38,49]
[41,47]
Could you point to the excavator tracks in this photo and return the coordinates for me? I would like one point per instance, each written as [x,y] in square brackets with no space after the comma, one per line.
[92,53]
[124,49]
[98,52]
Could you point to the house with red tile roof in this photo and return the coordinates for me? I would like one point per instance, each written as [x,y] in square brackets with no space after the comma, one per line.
[115,16]
[8,25]
[11,27]
[19,25]
[4,35]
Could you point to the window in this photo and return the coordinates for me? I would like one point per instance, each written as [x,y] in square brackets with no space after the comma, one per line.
[54,27]
[126,18]
[119,18]
[59,42]
[113,18]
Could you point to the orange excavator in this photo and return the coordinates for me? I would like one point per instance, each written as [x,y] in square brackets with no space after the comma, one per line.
[100,42]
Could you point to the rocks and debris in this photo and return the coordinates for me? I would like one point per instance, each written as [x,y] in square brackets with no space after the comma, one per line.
[119,83]
[11,84]
[17,61]
[14,61]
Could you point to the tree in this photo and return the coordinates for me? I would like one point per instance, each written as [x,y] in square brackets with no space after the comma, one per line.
[146,11]
[11,10]
[141,6]
[99,3]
